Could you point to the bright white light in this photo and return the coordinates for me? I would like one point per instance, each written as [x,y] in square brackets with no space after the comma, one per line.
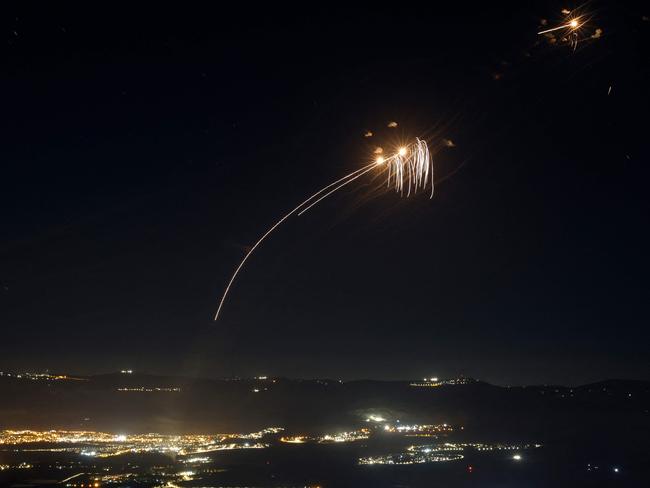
[616,470]
[402,151]
[379,160]
[386,427]
[120,438]
[517,457]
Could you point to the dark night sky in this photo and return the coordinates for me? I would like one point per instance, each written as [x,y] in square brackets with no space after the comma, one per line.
[144,150]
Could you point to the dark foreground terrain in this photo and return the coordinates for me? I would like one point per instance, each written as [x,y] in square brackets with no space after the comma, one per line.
[592,435]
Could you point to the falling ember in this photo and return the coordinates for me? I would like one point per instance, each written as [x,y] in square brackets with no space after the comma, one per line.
[449,143]
[392,125]
[410,169]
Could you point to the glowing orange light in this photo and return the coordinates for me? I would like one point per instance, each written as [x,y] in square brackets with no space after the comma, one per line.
[402,151]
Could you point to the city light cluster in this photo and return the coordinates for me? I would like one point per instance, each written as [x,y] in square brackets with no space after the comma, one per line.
[351,436]
[22,465]
[417,430]
[417,455]
[41,376]
[147,389]
[102,444]
[433,453]
[435,382]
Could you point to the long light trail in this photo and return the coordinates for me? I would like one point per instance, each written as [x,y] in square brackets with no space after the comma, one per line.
[410,167]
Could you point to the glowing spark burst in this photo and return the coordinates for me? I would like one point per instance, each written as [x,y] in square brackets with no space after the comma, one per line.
[573,24]
[410,169]
[573,30]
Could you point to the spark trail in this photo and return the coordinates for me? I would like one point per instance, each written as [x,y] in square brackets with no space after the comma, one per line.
[409,168]
[571,25]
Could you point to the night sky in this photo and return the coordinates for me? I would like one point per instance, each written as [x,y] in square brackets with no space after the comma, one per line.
[143,151]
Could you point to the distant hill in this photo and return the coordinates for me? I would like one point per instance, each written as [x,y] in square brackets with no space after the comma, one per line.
[123,402]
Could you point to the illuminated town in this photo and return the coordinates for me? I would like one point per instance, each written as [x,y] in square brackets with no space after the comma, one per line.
[433,453]
[40,376]
[435,382]
[358,438]
[351,436]
[101,444]
[192,457]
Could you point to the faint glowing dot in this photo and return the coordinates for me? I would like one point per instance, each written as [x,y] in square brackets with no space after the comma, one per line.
[616,470]
[386,427]
[517,457]
[402,151]
[573,24]
[379,160]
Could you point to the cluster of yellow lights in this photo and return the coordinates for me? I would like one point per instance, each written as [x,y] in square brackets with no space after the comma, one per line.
[147,389]
[102,444]
[419,430]
[339,437]
[440,453]
[400,152]
[41,376]
[16,466]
